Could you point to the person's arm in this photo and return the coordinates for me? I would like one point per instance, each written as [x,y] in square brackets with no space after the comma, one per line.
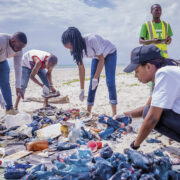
[149,123]
[144,36]
[147,42]
[34,72]
[81,75]
[137,112]
[49,78]
[168,40]
[18,73]
[100,66]
[169,35]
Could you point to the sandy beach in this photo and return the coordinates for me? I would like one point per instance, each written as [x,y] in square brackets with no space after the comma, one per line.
[131,94]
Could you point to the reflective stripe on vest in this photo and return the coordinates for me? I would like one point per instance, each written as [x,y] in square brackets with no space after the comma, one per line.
[152,34]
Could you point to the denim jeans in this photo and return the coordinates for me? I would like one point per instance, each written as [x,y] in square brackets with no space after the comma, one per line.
[110,70]
[168,124]
[5,85]
[26,75]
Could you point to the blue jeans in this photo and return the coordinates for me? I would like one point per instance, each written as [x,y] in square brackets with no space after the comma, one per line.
[110,70]
[26,75]
[4,84]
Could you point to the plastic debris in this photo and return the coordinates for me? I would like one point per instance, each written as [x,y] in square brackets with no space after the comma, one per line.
[50,131]
[66,146]
[153,141]
[37,145]
[17,120]
[74,160]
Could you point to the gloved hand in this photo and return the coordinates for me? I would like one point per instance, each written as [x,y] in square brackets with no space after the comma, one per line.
[133,146]
[118,116]
[81,95]
[94,83]
[2,101]
[19,92]
[45,90]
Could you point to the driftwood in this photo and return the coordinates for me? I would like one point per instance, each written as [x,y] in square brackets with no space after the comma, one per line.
[54,100]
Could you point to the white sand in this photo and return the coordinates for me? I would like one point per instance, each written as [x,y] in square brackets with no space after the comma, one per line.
[131,94]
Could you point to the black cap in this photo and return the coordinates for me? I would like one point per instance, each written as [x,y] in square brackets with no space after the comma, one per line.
[142,54]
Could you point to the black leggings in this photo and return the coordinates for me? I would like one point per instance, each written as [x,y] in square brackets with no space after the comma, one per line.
[169,123]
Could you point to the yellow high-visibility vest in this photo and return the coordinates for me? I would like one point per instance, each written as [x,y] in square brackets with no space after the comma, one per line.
[152,34]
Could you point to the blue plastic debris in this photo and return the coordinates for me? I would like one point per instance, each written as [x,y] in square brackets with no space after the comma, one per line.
[153,141]
[106,152]
[66,146]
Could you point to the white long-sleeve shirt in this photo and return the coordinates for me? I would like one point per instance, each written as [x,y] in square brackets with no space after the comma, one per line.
[7,52]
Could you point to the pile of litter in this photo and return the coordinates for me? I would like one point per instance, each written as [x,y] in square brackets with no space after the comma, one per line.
[82,165]
[65,144]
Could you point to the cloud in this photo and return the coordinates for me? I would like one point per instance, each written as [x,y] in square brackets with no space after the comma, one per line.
[119,21]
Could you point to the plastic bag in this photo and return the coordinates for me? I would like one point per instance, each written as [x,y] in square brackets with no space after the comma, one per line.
[17,120]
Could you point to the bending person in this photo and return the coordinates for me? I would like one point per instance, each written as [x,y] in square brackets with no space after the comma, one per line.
[34,63]
[11,46]
[162,112]
[103,53]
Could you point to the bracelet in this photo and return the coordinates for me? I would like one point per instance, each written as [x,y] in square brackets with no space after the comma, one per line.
[51,85]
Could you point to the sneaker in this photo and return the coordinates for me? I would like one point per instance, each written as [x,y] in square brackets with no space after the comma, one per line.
[12,112]
[52,94]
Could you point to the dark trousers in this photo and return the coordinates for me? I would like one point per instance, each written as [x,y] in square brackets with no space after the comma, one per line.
[169,123]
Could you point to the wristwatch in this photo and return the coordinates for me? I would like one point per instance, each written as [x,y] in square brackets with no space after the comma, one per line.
[133,146]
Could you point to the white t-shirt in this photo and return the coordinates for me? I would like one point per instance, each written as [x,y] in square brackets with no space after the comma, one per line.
[96,45]
[27,60]
[166,93]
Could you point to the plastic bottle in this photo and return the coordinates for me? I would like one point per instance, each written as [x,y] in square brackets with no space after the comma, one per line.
[75,134]
[4,163]
[37,145]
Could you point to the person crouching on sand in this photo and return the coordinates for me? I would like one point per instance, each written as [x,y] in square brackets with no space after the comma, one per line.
[103,53]
[162,111]
[35,62]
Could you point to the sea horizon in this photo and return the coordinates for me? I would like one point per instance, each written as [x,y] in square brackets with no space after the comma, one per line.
[74,66]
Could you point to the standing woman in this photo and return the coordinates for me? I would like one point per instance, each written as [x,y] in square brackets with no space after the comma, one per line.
[102,52]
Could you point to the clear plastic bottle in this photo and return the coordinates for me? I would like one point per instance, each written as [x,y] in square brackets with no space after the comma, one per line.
[75,134]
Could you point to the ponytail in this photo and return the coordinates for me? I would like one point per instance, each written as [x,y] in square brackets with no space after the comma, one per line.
[162,62]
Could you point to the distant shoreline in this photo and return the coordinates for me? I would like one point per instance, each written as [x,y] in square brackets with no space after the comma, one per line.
[68,66]
[74,66]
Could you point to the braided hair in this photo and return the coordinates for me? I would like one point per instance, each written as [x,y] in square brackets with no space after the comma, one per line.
[72,35]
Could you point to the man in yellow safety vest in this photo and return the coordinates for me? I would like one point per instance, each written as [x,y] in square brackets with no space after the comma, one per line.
[156,32]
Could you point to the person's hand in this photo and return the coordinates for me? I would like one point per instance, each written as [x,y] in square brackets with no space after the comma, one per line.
[94,83]
[52,89]
[81,95]
[156,41]
[2,101]
[19,92]
[168,40]
[134,146]
[119,115]
[45,90]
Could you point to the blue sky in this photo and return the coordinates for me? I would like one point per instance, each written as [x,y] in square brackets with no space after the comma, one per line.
[117,20]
